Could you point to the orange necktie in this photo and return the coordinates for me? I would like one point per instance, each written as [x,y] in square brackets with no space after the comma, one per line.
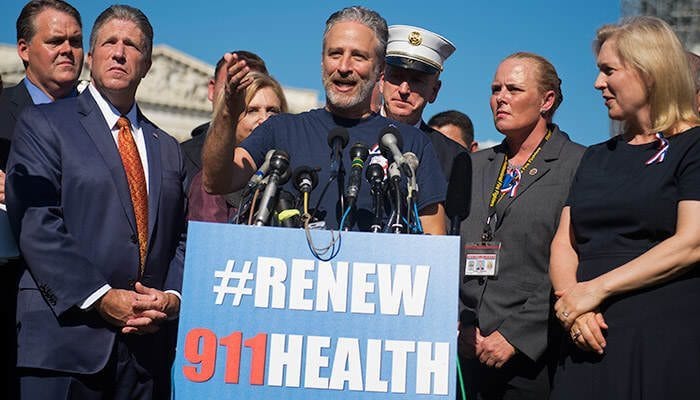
[137,185]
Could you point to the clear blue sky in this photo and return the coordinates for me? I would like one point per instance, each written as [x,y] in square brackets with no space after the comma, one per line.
[287,34]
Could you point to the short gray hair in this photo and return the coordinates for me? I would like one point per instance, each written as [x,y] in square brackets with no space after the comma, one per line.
[366,17]
[124,13]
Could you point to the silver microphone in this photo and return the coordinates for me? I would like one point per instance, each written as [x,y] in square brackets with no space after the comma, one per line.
[260,173]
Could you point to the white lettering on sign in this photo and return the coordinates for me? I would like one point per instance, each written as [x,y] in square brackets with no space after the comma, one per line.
[311,285]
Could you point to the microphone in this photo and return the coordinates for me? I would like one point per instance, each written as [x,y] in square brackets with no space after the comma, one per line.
[412,188]
[395,180]
[279,165]
[375,176]
[359,153]
[287,215]
[393,172]
[459,192]
[412,162]
[390,144]
[337,140]
[260,173]
[305,179]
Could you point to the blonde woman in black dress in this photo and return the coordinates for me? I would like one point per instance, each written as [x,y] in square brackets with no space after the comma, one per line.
[624,259]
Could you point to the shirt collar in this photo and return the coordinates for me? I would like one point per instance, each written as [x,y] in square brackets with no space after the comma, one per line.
[110,113]
[38,97]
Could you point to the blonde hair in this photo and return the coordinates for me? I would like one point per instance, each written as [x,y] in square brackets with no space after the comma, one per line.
[261,81]
[649,46]
[547,78]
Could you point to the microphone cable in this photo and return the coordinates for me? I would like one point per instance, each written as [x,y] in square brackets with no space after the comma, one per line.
[333,246]
[305,180]
[418,227]
[323,193]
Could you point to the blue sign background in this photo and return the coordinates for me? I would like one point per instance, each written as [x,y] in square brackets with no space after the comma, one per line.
[210,246]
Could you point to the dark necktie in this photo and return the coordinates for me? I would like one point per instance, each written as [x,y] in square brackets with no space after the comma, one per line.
[137,185]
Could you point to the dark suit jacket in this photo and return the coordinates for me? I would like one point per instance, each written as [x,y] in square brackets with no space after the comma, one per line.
[69,204]
[12,101]
[517,303]
[192,152]
[445,148]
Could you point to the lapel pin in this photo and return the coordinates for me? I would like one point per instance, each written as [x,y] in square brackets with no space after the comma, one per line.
[533,172]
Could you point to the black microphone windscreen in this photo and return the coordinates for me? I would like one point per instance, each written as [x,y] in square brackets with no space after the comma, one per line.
[285,176]
[338,133]
[279,162]
[305,178]
[359,150]
[459,189]
[374,173]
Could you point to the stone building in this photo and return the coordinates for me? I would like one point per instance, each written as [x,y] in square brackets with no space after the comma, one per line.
[173,94]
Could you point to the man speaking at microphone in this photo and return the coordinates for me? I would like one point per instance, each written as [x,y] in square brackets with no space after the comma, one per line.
[354,46]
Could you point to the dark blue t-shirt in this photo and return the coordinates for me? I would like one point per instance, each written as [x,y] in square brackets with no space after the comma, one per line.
[305,138]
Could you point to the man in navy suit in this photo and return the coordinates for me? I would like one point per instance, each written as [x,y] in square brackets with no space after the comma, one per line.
[50,45]
[95,199]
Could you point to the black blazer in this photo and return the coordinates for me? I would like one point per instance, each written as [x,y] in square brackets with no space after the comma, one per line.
[12,101]
[445,148]
[192,152]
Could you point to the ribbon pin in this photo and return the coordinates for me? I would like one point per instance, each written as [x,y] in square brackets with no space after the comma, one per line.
[661,153]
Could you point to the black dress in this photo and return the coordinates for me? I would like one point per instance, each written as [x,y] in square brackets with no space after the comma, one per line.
[620,208]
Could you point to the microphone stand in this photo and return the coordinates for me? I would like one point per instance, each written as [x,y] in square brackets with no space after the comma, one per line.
[395,179]
[378,208]
[341,185]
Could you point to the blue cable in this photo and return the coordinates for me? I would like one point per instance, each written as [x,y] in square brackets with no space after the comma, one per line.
[418,224]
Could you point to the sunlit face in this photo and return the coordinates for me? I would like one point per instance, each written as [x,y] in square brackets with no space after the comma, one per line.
[622,87]
[263,104]
[406,93]
[349,66]
[516,100]
[119,59]
[54,55]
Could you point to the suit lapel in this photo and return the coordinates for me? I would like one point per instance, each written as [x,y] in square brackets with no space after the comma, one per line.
[151,137]
[95,126]
[20,98]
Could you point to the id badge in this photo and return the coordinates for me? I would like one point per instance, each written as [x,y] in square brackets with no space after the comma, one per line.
[481,259]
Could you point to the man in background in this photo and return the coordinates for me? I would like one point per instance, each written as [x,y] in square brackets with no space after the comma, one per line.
[456,126]
[192,148]
[50,45]
[411,81]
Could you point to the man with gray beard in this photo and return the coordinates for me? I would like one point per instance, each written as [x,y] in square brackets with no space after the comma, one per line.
[354,46]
